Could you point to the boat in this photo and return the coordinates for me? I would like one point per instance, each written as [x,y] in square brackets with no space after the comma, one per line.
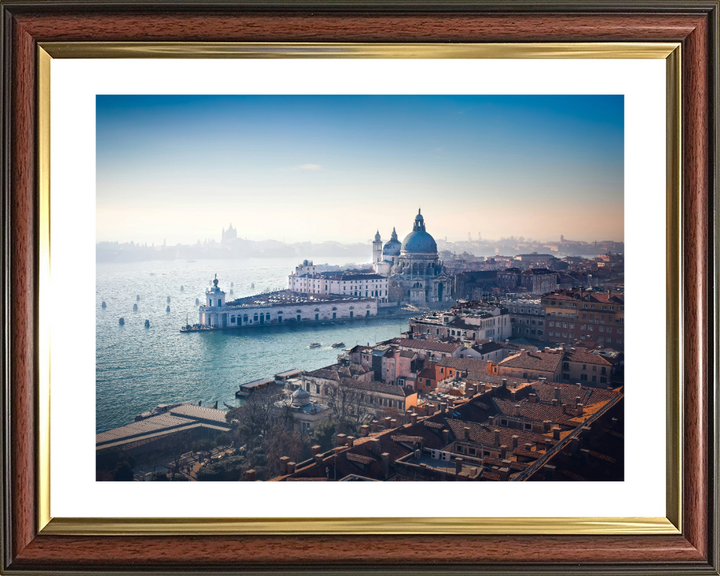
[315,345]
[338,345]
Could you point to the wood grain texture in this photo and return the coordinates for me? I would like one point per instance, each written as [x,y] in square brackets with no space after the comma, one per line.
[415,551]
[671,554]
[23,290]
[319,27]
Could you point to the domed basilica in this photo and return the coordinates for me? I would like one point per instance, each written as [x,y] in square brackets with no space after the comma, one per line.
[413,268]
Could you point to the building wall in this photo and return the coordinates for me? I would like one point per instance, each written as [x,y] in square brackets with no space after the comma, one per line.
[235,317]
[576,320]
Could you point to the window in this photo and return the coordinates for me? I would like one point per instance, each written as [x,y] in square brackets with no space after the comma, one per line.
[594,378]
[602,370]
[527,427]
[566,366]
[583,377]
[503,422]
[603,380]
[584,367]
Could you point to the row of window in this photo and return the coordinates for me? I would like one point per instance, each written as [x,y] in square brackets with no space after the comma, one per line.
[591,306]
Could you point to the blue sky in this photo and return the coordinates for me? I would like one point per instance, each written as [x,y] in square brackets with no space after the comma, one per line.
[316,168]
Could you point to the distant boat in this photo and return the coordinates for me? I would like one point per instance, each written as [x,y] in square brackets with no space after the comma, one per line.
[197,301]
[168,299]
[315,345]
[338,345]
[137,297]
[182,288]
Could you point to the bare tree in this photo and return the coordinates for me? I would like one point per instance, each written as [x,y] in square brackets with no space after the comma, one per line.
[349,404]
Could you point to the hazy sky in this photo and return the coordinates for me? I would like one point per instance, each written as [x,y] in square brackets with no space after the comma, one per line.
[317,168]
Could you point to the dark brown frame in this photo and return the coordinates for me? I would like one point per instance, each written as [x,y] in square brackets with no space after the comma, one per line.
[693,23]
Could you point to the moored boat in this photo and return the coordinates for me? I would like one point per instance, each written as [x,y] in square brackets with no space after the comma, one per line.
[315,345]
[338,345]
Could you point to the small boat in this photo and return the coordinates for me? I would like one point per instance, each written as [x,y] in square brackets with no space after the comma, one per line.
[338,345]
[315,345]
[182,288]
[137,297]
[168,299]
[197,301]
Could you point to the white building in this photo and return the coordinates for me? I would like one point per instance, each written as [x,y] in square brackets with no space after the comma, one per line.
[280,308]
[350,284]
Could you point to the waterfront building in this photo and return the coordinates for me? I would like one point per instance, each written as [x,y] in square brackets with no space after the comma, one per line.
[303,413]
[280,308]
[413,268]
[173,423]
[348,284]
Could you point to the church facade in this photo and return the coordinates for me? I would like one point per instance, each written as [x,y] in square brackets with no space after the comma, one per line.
[413,268]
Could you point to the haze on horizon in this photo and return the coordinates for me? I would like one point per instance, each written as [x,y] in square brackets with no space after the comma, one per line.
[316,168]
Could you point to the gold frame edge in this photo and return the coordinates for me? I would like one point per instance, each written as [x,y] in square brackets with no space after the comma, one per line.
[267,526]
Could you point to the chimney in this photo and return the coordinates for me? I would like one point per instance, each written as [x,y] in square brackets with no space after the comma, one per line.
[491,420]
[413,418]
[393,423]
[374,425]
[554,402]
[497,437]
[291,467]
[458,465]
[284,465]
[528,446]
[316,449]
[364,430]
[446,435]
[585,453]
[374,446]
[533,398]
[517,409]
[515,442]
[467,432]
[504,472]
[250,475]
[504,382]
[585,433]
[341,438]
[577,401]
[574,445]
[387,422]
[613,422]
[318,458]
[547,424]
[443,407]
[385,464]
[580,408]
[406,416]
[557,393]
[350,441]
[549,471]
[503,451]
[512,395]
[556,432]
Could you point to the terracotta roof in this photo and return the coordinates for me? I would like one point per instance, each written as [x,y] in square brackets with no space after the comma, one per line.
[430,345]
[586,357]
[407,354]
[542,361]
[427,373]
[353,457]
[467,364]
[407,439]
[374,386]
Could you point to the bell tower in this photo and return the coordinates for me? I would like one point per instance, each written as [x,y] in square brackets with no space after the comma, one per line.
[377,248]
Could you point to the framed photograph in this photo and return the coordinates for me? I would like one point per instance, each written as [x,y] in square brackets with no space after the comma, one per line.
[278,276]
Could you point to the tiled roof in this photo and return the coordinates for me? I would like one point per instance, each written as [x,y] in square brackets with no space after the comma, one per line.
[543,361]
[590,297]
[407,439]
[467,364]
[586,357]
[485,435]
[353,457]
[485,378]
[430,345]
[407,354]
[374,386]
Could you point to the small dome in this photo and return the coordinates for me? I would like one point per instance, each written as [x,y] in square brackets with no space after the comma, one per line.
[377,236]
[300,397]
[392,247]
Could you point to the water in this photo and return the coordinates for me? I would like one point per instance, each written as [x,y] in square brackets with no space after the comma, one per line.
[138,368]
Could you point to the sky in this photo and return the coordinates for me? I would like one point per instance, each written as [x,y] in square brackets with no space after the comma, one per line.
[337,168]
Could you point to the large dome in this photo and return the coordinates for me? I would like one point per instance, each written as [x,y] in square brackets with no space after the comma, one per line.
[419,241]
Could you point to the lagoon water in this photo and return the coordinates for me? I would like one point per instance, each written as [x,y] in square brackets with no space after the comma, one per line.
[138,368]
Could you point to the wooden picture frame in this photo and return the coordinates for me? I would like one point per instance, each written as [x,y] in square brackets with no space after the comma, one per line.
[30,544]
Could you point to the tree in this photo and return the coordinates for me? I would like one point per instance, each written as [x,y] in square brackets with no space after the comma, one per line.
[348,403]
[254,418]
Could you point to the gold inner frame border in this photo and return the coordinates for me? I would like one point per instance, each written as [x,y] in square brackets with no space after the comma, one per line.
[671,524]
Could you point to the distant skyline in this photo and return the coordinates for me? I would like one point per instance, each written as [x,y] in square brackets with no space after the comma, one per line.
[336,168]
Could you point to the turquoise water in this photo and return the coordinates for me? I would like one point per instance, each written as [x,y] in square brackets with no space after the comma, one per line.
[138,368]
